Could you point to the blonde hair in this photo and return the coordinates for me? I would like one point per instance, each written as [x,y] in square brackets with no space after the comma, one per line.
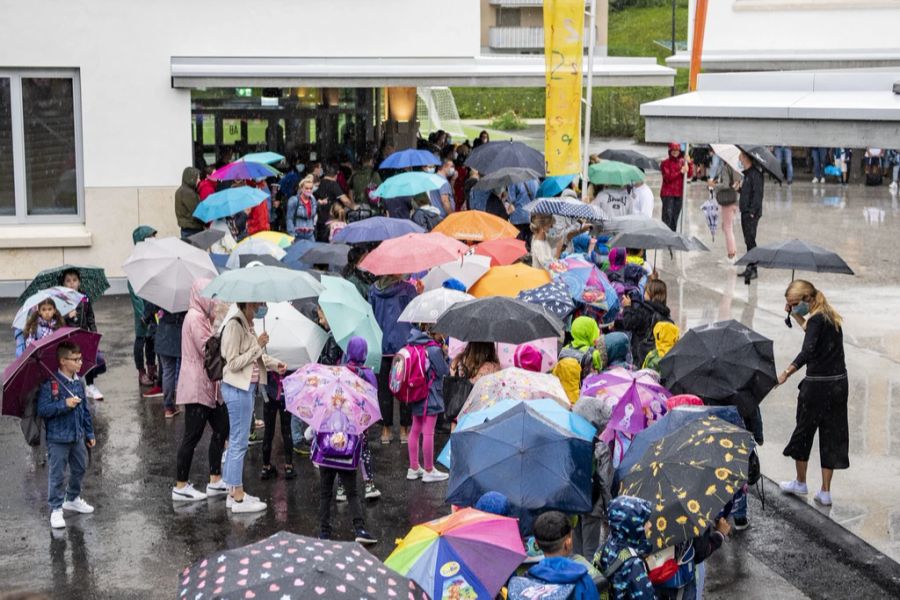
[800,289]
[310,179]
[338,212]
[539,222]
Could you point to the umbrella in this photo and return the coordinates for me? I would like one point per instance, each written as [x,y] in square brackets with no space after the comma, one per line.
[498,319]
[229,202]
[554,185]
[268,158]
[282,240]
[710,210]
[334,255]
[403,159]
[297,567]
[39,361]
[412,253]
[554,297]
[162,270]
[548,348]
[65,299]
[467,269]
[205,238]
[730,154]
[587,284]
[93,281]
[331,399]
[571,208]
[688,476]
[409,184]
[494,156]
[262,284]
[796,255]
[611,172]
[637,387]
[350,315]
[429,306]
[630,223]
[268,260]
[244,170]
[654,238]
[631,157]
[765,159]
[476,226]
[254,247]
[375,229]
[494,456]
[509,281]
[464,540]
[295,251]
[502,252]
[514,384]
[293,339]
[506,176]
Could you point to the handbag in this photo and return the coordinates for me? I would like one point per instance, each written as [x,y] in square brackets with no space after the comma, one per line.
[337,450]
[455,390]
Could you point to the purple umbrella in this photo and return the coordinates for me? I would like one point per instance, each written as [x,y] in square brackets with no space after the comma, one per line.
[375,229]
[39,361]
[638,395]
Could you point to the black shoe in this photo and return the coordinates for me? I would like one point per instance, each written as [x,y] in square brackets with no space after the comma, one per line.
[289,473]
[268,472]
[364,537]
[741,523]
[302,450]
[744,272]
[324,535]
[751,274]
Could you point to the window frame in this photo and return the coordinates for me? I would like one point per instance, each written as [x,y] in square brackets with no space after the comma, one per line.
[21,215]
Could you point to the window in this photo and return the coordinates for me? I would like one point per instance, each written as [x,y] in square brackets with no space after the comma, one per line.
[40,147]
[509,17]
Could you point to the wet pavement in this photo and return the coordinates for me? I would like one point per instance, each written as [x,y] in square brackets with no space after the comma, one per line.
[136,542]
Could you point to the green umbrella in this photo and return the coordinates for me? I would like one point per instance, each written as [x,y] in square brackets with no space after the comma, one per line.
[350,315]
[93,281]
[612,172]
[262,284]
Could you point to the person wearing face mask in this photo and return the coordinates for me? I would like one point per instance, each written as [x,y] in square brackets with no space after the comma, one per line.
[822,402]
[245,368]
[443,197]
[301,211]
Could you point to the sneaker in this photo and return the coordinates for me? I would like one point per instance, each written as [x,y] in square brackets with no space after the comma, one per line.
[94,392]
[171,412]
[822,497]
[404,438]
[434,475]
[254,439]
[229,501]
[144,380]
[187,494]
[364,537]
[268,472]
[413,474]
[372,491]
[249,504]
[154,392]
[741,523]
[78,505]
[289,473]
[341,495]
[815,180]
[57,521]
[893,186]
[216,489]
[793,487]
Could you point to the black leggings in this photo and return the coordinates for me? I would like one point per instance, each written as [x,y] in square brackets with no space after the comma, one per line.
[671,210]
[143,346]
[326,496]
[196,416]
[271,410]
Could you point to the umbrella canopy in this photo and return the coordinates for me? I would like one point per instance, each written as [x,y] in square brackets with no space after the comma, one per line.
[476,226]
[297,567]
[253,247]
[710,210]
[293,339]
[509,281]
[333,255]
[262,284]
[282,240]
[268,158]
[93,281]
[796,255]
[655,238]
[494,156]
[295,251]
[494,456]
[587,284]
[450,553]
[498,319]
[506,176]
[688,476]
[630,157]
[638,387]
[764,158]
[229,202]
[554,297]
[429,306]
[566,207]
[611,172]
[502,252]
[412,253]
[468,269]
[331,399]
[38,361]
[403,159]
[730,154]
[349,315]
[66,300]
[514,384]
[162,270]
[244,170]
[375,229]
[409,184]
[205,238]
[630,223]
[247,260]
[547,347]
[554,185]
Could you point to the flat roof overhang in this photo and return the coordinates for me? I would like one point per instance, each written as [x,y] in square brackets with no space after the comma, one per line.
[778,60]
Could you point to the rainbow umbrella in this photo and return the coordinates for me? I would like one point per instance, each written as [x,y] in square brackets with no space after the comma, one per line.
[324,396]
[469,554]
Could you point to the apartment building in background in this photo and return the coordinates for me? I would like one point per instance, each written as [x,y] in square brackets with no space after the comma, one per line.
[517,26]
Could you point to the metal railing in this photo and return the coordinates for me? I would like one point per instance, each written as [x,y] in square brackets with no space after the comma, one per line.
[520,38]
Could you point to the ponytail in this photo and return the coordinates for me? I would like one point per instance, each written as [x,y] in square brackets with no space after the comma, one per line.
[800,289]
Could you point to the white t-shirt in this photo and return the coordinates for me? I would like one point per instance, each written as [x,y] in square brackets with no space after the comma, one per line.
[615,202]
[541,254]
[643,201]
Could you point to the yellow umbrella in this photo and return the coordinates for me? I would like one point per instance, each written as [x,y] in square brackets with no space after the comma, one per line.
[476,226]
[509,281]
[282,240]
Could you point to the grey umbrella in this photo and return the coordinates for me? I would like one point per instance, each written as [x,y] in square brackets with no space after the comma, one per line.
[765,159]
[631,157]
[655,238]
[205,238]
[506,176]
[498,319]
[493,156]
[326,254]
[265,259]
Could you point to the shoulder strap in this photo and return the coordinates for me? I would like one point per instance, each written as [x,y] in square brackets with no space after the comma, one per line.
[623,557]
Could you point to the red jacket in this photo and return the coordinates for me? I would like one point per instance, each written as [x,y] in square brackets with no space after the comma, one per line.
[206,187]
[259,218]
[672,177]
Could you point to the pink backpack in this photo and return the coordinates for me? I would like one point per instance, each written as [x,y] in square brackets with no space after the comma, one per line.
[409,380]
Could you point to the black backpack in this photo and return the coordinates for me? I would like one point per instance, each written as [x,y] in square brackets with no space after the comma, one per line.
[213,361]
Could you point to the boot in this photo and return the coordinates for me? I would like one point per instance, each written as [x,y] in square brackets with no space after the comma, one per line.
[144,379]
[744,272]
[750,274]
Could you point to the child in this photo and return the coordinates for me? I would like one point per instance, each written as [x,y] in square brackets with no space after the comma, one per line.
[618,350]
[42,322]
[144,353]
[666,335]
[553,535]
[425,412]
[62,404]
[357,352]
[83,318]
[628,523]
[593,528]
[426,215]
[273,408]
[337,221]
[585,355]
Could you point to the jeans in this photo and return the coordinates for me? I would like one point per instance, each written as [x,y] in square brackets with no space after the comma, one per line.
[297,429]
[715,166]
[671,210]
[739,511]
[59,456]
[326,496]
[895,173]
[240,413]
[274,409]
[170,367]
[783,154]
[818,158]
[143,347]
[425,427]
[196,416]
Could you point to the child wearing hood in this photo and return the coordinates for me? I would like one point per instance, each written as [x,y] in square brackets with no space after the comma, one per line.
[357,352]
[618,351]
[666,336]
[592,528]
[628,524]
[425,412]
[583,356]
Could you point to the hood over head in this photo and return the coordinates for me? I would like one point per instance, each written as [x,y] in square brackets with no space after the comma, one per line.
[581,242]
[494,503]
[417,336]
[585,332]
[528,357]
[357,350]
[189,176]
[666,335]
[616,259]
[198,301]
[627,516]
[673,147]
[141,233]
[618,348]
[595,409]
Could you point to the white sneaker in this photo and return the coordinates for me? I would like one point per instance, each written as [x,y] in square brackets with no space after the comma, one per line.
[793,487]
[187,494]
[434,475]
[822,497]
[413,474]
[248,505]
[229,501]
[94,392]
[216,489]
[56,519]
[814,180]
[78,505]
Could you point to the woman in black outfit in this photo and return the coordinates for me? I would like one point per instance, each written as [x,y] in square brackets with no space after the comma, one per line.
[822,403]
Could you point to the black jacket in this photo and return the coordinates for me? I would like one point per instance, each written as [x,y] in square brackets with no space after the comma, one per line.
[751,200]
[639,320]
[84,317]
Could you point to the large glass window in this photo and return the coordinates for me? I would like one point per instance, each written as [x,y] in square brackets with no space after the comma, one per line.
[7,177]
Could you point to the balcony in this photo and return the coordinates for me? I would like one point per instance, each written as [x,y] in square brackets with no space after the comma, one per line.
[517,3]
[520,38]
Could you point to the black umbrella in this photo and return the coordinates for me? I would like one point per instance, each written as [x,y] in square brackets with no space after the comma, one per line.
[796,255]
[765,159]
[498,319]
[326,254]
[656,238]
[295,566]
[205,238]
[506,176]
[631,157]
[266,259]
[494,156]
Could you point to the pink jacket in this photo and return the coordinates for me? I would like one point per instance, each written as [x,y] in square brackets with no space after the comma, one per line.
[194,387]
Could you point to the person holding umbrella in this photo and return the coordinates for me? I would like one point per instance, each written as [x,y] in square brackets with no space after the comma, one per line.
[751,204]
[822,402]
[673,168]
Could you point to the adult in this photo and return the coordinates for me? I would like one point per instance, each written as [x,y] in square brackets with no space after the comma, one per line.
[442,198]
[362,183]
[476,361]
[518,196]
[640,315]
[751,205]
[616,201]
[186,201]
[201,401]
[245,368]
[673,168]
[818,156]
[643,200]
[725,187]
[822,402]
[783,155]
[483,138]
[328,193]
[301,211]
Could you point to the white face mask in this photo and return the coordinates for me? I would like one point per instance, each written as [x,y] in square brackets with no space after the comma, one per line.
[299,167]
[429,169]
[451,173]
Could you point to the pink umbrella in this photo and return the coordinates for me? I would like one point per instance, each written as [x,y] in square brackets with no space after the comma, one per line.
[326,396]
[639,386]
[548,347]
[412,253]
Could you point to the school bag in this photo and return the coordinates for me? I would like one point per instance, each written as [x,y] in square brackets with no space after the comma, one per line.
[213,361]
[528,588]
[410,379]
[335,447]
[585,359]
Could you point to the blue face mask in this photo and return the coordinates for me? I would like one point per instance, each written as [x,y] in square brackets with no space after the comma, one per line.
[261,312]
[801,310]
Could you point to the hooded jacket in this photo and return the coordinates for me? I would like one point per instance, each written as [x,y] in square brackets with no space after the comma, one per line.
[140,233]
[63,424]
[627,516]
[585,333]
[598,412]
[387,304]
[194,387]
[618,350]
[639,320]
[357,352]
[672,177]
[438,368]
[558,569]
[665,335]
[187,199]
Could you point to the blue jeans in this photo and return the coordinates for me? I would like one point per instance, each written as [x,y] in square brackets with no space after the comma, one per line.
[783,154]
[59,456]
[740,504]
[240,412]
[170,366]
[297,429]
[818,158]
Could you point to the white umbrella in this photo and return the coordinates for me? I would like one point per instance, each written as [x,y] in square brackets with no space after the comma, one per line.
[65,299]
[468,270]
[253,246]
[730,154]
[293,339]
[427,307]
[163,271]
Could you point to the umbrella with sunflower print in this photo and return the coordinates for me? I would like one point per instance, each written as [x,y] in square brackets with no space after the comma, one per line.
[688,476]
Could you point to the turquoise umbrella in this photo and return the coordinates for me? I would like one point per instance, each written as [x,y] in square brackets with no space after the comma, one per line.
[409,184]
[262,284]
[228,202]
[349,315]
[615,173]
[267,158]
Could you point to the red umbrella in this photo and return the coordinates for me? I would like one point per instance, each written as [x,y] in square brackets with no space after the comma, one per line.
[502,252]
[412,253]
[39,361]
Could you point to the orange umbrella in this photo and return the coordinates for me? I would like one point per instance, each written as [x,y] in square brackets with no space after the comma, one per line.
[476,226]
[502,252]
[509,281]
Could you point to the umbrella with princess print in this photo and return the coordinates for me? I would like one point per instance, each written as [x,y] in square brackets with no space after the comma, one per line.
[623,384]
[315,393]
[296,567]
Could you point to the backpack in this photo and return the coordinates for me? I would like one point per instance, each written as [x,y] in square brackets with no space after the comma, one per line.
[213,361]
[528,588]
[585,359]
[409,379]
[335,447]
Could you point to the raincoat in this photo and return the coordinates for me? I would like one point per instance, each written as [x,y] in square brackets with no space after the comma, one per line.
[672,177]
[666,335]
[639,319]
[438,368]
[569,371]
[187,199]
[564,570]
[618,350]
[194,387]
[357,351]
[387,304]
[141,233]
[627,516]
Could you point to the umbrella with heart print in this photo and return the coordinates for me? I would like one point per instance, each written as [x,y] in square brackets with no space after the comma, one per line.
[292,566]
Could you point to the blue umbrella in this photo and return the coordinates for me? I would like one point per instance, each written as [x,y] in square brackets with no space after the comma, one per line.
[295,251]
[409,184]
[582,274]
[267,158]
[534,462]
[375,229]
[554,185]
[574,209]
[409,158]
[553,296]
[228,202]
